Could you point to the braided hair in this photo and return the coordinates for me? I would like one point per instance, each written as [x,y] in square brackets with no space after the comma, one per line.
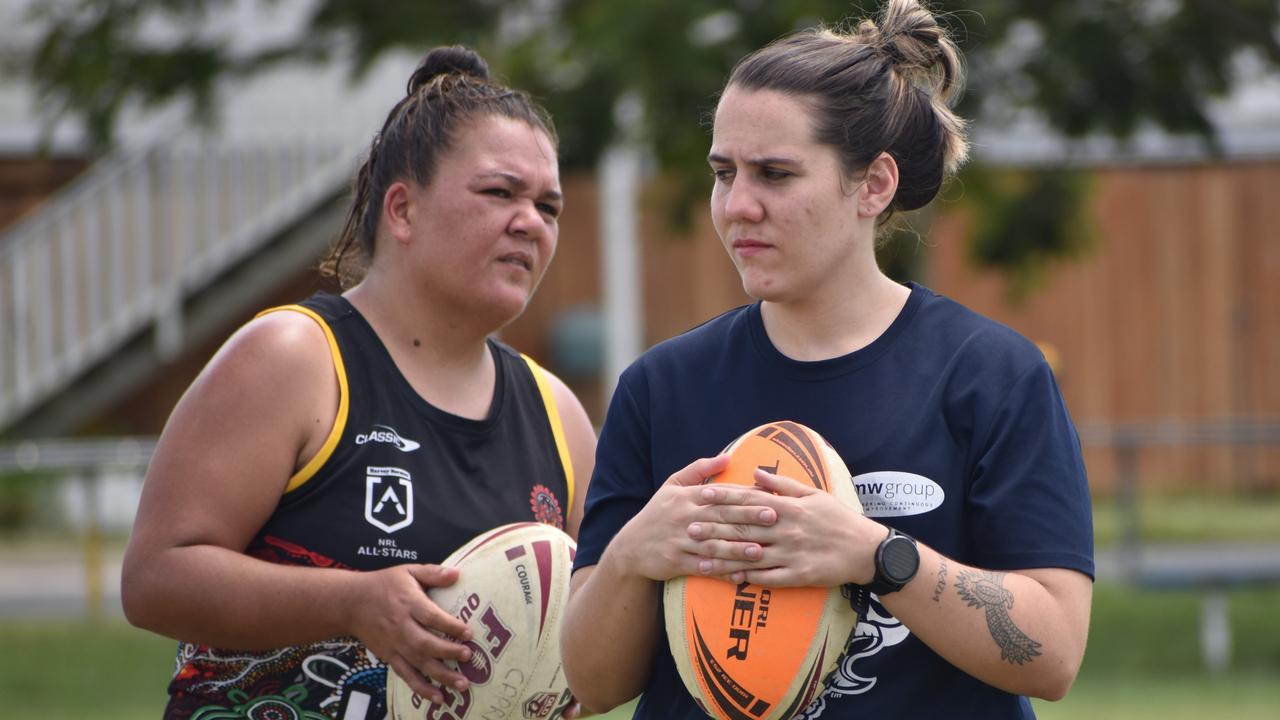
[450,86]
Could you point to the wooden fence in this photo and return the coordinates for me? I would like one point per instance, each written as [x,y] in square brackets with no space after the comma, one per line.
[1174,315]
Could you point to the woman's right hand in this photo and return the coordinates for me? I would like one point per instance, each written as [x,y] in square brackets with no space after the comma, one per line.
[393,616]
[656,543]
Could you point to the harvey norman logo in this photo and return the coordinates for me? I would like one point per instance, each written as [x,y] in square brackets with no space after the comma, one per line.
[384,434]
[893,494]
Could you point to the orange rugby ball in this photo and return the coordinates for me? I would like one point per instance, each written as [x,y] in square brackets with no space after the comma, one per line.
[748,652]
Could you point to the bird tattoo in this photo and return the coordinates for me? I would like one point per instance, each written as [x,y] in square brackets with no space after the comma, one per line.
[986,590]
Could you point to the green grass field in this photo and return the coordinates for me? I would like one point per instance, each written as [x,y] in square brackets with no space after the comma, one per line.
[1143,662]
[1143,659]
[1191,518]
[82,671]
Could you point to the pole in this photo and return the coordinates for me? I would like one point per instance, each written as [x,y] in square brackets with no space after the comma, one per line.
[93,571]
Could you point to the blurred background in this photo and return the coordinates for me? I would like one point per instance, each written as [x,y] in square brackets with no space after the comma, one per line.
[170,167]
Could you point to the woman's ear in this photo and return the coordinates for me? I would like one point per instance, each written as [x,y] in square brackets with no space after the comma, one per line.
[879,187]
[397,212]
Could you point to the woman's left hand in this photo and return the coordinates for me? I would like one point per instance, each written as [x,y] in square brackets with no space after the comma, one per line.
[817,541]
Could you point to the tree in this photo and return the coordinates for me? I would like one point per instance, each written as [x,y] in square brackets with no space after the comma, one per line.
[1089,66]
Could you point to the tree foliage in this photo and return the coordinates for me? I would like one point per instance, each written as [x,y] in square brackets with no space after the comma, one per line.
[1088,66]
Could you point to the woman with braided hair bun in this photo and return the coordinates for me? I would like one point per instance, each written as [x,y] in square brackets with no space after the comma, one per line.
[334,452]
[973,562]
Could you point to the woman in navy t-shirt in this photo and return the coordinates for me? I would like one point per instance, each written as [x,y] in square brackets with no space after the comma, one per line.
[962,450]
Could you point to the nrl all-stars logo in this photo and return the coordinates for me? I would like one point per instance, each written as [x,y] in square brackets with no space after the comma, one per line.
[388,498]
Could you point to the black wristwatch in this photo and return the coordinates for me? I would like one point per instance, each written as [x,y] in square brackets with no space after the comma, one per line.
[897,560]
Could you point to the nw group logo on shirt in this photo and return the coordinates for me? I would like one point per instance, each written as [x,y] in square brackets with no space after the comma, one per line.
[890,493]
[385,434]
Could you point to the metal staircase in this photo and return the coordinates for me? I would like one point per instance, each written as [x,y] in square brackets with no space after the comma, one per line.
[105,273]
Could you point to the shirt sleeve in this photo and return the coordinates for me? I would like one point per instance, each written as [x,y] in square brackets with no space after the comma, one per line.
[1029,494]
[622,481]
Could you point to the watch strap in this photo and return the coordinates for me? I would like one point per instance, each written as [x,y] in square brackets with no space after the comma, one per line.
[859,599]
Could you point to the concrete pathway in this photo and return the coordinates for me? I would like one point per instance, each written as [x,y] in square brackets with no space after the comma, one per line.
[45,582]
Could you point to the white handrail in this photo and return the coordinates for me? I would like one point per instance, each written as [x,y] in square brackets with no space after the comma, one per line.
[131,238]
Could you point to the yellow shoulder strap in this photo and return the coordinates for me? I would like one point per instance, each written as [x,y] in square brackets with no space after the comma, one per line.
[557,428]
[340,422]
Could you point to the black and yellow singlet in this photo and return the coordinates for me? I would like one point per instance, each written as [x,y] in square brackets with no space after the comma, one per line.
[397,481]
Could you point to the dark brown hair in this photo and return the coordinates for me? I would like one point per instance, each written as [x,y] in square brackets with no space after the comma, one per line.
[450,86]
[882,87]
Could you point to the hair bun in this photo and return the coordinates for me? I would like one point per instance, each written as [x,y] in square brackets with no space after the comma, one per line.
[457,59]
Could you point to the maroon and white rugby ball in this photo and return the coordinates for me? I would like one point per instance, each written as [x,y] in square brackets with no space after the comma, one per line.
[513,584]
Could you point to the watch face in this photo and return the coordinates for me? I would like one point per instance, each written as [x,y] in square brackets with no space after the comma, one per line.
[900,559]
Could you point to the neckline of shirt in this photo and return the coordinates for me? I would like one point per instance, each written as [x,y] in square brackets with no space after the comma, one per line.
[836,366]
[421,404]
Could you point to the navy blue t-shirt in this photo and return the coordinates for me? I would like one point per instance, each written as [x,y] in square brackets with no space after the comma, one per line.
[953,428]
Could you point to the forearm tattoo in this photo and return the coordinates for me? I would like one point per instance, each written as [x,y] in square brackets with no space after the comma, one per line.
[986,590]
[942,581]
